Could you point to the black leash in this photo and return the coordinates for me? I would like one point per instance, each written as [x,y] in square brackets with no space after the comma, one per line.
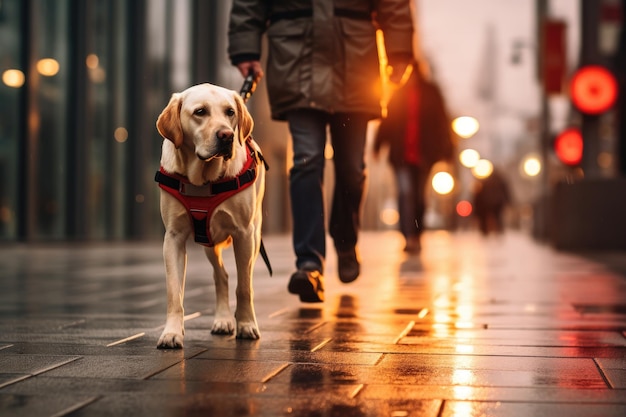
[248,87]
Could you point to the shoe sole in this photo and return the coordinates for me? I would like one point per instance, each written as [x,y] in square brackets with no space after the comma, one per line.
[302,286]
[347,280]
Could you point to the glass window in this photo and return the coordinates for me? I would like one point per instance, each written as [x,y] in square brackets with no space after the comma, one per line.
[11,94]
[49,69]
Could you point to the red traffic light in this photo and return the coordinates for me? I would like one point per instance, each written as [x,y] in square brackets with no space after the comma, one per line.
[568,146]
[593,89]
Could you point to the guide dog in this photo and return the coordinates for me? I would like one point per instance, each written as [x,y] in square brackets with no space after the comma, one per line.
[212,185]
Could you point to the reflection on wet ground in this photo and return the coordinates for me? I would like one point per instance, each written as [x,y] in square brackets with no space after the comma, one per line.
[471,326]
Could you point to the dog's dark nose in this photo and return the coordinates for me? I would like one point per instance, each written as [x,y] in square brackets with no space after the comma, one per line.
[226,136]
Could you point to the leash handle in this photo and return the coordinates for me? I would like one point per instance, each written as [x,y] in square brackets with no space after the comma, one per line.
[249,85]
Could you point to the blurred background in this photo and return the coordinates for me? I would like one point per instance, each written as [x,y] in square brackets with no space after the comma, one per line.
[83,82]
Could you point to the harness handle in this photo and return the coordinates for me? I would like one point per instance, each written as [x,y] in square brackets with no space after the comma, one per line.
[249,85]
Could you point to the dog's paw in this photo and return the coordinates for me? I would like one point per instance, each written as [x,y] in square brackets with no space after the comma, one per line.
[170,341]
[248,331]
[223,326]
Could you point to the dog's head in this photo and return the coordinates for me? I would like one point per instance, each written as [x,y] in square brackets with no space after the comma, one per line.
[207,119]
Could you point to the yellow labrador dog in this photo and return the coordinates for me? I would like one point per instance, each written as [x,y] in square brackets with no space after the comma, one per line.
[212,184]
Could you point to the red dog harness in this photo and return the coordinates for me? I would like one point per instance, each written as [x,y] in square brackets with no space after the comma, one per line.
[201,201]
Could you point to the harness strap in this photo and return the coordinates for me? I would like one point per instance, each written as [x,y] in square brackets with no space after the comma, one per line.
[201,201]
[180,184]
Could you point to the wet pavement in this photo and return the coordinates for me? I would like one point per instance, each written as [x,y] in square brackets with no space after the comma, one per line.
[499,326]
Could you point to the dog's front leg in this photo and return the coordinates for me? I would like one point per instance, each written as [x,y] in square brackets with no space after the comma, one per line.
[224,322]
[246,250]
[175,257]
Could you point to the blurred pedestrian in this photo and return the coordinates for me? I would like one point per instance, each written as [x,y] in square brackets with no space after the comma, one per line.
[417,131]
[322,70]
[491,196]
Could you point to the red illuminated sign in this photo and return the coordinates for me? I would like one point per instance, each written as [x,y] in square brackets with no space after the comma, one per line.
[569,146]
[553,60]
[593,89]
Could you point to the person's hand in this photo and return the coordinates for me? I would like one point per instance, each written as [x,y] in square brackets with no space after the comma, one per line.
[398,66]
[246,66]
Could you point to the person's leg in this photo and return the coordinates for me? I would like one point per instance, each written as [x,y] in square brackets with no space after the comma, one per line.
[348,133]
[406,200]
[308,131]
[420,181]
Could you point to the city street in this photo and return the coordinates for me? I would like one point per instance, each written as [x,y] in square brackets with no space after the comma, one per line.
[472,326]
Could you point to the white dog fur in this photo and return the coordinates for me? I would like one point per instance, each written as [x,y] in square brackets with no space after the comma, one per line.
[197,124]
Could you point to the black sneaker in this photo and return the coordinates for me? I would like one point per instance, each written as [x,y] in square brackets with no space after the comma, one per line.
[348,265]
[308,284]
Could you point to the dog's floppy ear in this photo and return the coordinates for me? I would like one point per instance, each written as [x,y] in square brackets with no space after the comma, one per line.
[245,123]
[168,123]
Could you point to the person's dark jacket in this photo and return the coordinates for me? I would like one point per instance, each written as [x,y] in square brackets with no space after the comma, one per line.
[322,54]
[435,138]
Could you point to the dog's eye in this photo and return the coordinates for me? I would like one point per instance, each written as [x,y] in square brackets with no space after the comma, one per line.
[230,112]
[200,111]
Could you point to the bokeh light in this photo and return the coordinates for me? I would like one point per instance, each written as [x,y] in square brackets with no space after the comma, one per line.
[483,169]
[531,166]
[464,208]
[465,126]
[13,78]
[469,158]
[443,183]
[389,216]
[120,134]
[48,67]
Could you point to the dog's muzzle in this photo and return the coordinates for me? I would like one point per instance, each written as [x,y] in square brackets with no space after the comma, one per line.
[224,146]
[225,139]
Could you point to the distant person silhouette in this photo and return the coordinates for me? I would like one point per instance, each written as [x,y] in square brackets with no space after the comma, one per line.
[491,196]
[417,131]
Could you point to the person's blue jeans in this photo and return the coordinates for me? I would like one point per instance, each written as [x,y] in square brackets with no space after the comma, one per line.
[306,179]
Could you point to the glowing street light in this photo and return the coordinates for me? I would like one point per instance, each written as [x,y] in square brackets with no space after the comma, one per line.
[469,158]
[483,169]
[465,126]
[531,166]
[443,183]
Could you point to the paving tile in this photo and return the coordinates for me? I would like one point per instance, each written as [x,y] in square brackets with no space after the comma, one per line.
[462,347]
[614,370]
[484,393]
[42,404]
[523,338]
[222,370]
[506,409]
[32,364]
[585,367]
[293,356]
[97,386]
[129,367]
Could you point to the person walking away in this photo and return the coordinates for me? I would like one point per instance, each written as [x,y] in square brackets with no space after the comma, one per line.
[417,132]
[322,70]
[491,196]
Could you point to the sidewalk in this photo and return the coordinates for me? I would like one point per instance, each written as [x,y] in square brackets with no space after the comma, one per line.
[470,327]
